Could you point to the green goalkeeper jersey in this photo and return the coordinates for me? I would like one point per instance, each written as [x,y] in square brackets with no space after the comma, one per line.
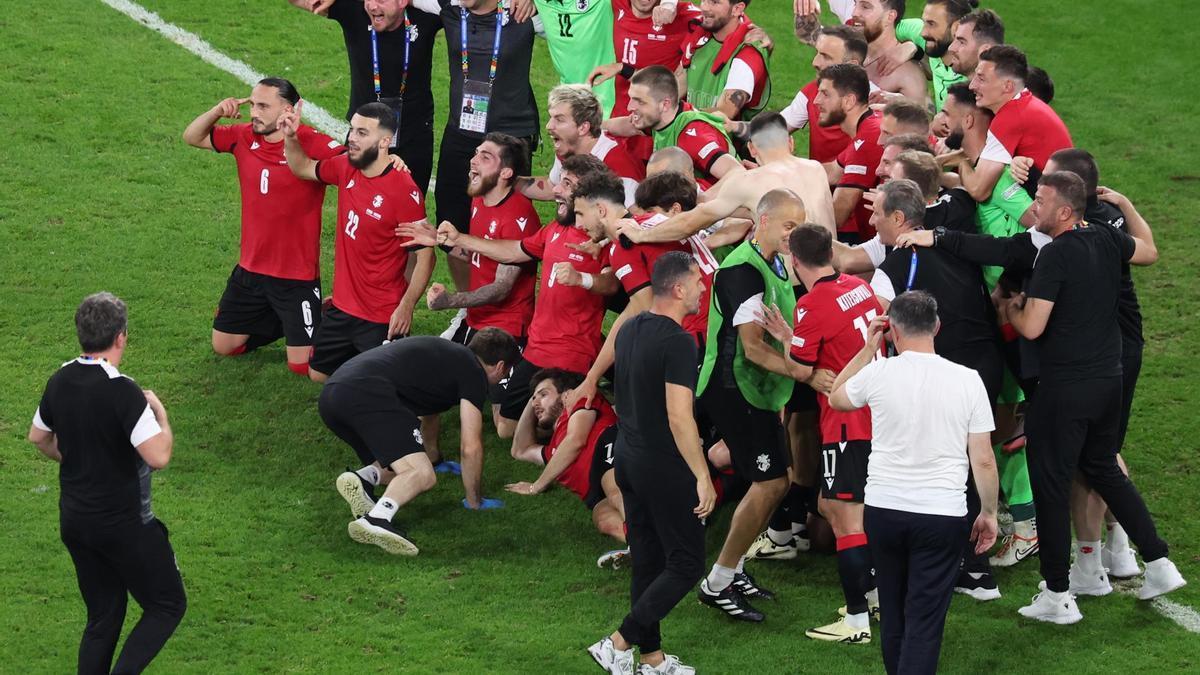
[580,36]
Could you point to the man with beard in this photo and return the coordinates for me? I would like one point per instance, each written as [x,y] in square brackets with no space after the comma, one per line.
[724,71]
[275,289]
[655,109]
[842,93]
[390,51]
[974,33]
[373,300]
[1023,125]
[939,19]
[834,44]
[566,328]
[660,468]
[772,147]
[579,454]
[575,126]
[878,20]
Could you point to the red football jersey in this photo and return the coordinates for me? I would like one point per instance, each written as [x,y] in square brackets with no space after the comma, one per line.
[830,328]
[639,43]
[577,476]
[565,332]
[824,143]
[368,259]
[858,161]
[633,267]
[513,218]
[281,214]
[616,157]
[705,144]
[1026,127]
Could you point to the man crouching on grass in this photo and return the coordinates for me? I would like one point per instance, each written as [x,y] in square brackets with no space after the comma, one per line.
[373,402]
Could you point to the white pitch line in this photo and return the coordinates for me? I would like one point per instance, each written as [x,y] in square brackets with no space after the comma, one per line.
[315,114]
[1186,617]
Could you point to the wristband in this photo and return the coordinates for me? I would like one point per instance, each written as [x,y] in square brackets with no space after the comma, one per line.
[586,280]
[446,247]
[627,70]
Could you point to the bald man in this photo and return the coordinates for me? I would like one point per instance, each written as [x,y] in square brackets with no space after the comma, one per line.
[743,189]
[743,386]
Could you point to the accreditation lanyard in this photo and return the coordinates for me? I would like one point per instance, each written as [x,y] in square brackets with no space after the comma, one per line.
[495,44]
[912,271]
[408,27]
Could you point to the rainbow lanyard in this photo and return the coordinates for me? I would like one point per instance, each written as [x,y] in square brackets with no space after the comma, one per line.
[408,28]
[495,44]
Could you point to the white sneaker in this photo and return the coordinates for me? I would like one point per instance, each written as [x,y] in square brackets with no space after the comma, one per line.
[611,659]
[669,666]
[1053,607]
[1162,577]
[1021,544]
[614,559]
[1120,564]
[448,334]
[1089,583]
[764,548]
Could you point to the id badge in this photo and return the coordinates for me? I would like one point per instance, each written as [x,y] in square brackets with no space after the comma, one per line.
[397,105]
[473,114]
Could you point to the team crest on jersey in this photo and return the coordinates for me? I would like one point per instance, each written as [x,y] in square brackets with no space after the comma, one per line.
[350,184]
[413,33]
[521,223]
[377,201]
[763,462]
[417,436]
[492,227]
[582,5]
[554,237]
[416,196]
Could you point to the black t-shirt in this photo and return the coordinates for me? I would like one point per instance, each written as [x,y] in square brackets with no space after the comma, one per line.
[651,351]
[418,98]
[1129,311]
[99,417]
[429,375]
[953,210]
[733,288]
[512,109]
[1080,272]
[964,306]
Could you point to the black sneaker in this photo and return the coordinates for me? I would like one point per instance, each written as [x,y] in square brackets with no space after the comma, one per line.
[382,533]
[358,493]
[729,601]
[978,585]
[745,584]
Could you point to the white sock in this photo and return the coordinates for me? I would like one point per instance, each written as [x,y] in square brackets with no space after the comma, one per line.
[859,620]
[720,578]
[369,473]
[1025,529]
[778,537]
[741,566]
[385,509]
[800,530]
[872,597]
[1118,541]
[1087,556]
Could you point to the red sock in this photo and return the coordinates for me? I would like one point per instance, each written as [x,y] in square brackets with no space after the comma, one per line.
[300,369]
[851,540]
[240,349]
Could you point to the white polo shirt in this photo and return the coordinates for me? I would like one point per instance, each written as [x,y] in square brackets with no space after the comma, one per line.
[922,408]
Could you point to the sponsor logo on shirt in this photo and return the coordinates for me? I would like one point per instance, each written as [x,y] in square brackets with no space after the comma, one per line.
[521,222]
[797,341]
[416,196]
[620,15]
[623,271]
[374,214]
[254,145]
[331,145]
[1012,191]
[350,184]
[800,314]
[860,169]
[377,201]
[858,144]
[575,257]
[690,132]
[709,149]
[656,37]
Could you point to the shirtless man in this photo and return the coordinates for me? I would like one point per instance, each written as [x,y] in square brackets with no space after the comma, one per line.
[878,19]
[772,146]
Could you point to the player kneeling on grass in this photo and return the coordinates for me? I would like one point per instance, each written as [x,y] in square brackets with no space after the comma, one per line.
[579,453]
[373,402]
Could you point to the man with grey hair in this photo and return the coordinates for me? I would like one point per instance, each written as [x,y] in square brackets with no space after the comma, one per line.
[108,434]
[916,514]
[969,334]
[574,127]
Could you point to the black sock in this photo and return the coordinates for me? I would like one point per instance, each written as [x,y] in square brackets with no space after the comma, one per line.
[781,520]
[854,571]
[805,503]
